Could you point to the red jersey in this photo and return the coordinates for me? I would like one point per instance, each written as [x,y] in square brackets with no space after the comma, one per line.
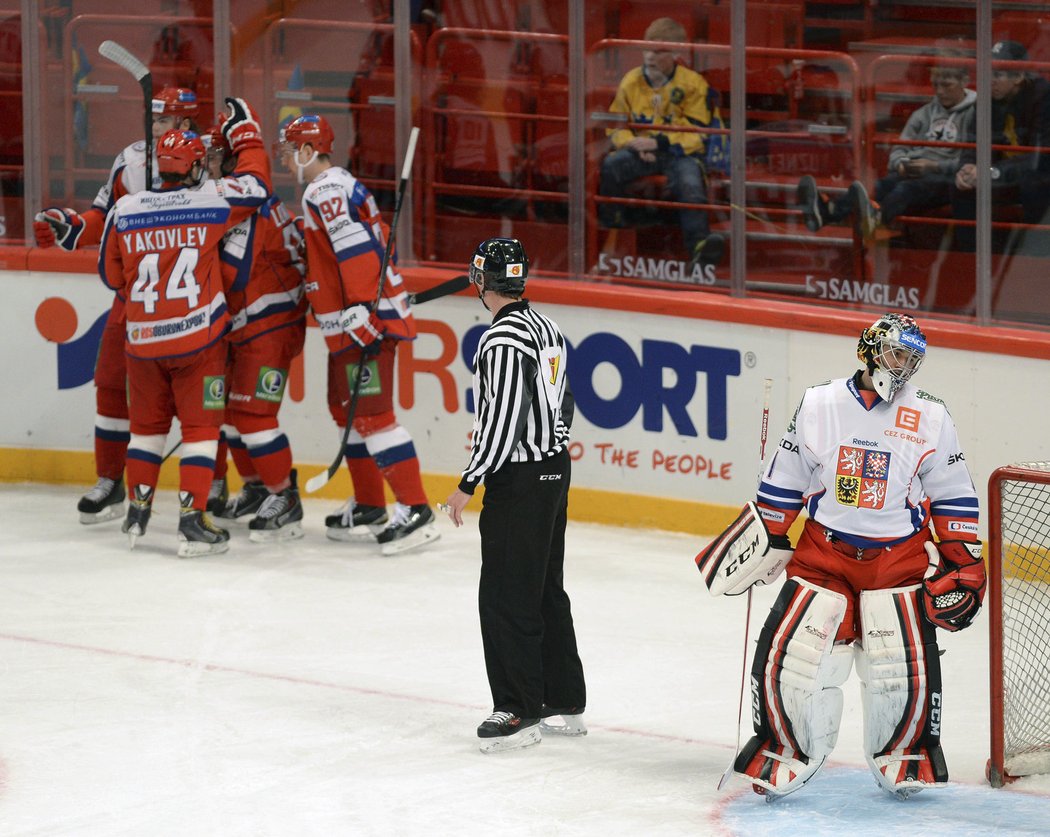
[345,241]
[267,290]
[161,254]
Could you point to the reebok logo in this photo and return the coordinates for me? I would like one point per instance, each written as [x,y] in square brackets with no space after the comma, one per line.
[550,476]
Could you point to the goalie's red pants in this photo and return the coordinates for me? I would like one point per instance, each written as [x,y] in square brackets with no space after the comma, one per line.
[835,565]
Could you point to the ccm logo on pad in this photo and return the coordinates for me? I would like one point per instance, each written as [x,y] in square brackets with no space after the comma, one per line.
[550,476]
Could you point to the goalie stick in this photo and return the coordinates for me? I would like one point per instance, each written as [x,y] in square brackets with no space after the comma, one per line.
[120,56]
[764,433]
[319,480]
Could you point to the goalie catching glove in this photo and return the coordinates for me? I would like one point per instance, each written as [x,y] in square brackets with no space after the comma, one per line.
[952,596]
[744,554]
[363,327]
[58,226]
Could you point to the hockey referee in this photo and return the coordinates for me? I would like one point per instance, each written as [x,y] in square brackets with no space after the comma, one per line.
[523,411]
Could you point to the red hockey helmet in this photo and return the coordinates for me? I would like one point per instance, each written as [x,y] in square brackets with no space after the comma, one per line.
[310,129]
[214,139]
[175,101]
[177,151]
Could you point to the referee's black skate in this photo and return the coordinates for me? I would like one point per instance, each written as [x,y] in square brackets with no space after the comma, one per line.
[140,507]
[280,517]
[562,721]
[248,501]
[103,502]
[410,528]
[506,731]
[356,522]
[197,534]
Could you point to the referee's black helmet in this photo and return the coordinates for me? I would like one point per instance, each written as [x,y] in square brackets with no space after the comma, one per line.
[500,265]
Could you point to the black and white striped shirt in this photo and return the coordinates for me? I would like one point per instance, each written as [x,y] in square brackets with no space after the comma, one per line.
[522,403]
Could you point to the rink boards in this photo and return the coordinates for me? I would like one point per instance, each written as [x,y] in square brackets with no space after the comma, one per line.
[668,391]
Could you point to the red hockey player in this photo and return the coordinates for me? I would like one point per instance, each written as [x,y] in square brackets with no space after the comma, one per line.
[345,242]
[161,253]
[268,306]
[173,107]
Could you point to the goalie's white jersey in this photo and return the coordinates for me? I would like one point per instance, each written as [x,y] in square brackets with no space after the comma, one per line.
[871,475]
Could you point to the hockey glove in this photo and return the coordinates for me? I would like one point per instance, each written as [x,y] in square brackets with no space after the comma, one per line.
[241,127]
[363,327]
[58,226]
[953,595]
[743,555]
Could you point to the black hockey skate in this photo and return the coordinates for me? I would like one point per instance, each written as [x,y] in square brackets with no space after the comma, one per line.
[139,510]
[562,721]
[506,731]
[197,534]
[355,522]
[248,501]
[218,494]
[279,518]
[410,527]
[103,502]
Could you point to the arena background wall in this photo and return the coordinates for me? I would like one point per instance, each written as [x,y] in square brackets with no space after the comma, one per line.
[668,388]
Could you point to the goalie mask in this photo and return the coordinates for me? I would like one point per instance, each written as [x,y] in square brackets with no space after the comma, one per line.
[892,349]
[500,265]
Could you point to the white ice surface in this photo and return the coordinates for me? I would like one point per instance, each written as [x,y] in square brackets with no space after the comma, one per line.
[318,688]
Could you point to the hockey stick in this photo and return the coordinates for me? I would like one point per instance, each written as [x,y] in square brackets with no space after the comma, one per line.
[452,286]
[446,288]
[322,478]
[120,56]
[747,615]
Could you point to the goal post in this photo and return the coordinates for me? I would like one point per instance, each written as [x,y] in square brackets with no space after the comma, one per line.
[1019,620]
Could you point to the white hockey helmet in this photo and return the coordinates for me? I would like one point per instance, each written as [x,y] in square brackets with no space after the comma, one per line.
[892,348]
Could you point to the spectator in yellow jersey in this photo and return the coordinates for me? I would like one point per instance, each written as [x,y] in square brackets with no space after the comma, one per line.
[670,97]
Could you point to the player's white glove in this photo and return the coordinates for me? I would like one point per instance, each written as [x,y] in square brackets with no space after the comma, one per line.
[362,326]
[59,226]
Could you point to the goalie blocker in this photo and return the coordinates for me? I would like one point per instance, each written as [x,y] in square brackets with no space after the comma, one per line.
[743,555]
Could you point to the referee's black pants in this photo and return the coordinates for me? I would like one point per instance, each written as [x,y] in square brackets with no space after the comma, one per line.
[526,617]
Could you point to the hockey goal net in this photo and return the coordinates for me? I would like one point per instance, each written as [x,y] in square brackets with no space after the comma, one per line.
[1019,617]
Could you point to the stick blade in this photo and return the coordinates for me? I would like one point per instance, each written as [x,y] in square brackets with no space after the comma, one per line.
[118,55]
[317,481]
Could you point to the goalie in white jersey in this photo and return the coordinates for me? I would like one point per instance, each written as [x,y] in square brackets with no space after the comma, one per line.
[875,462]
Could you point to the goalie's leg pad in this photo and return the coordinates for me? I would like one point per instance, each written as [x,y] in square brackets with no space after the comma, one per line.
[900,671]
[796,702]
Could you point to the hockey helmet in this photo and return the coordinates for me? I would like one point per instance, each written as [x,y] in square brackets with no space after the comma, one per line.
[309,129]
[500,265]
[177,151]
[175,101]
[892,349]
[213,138]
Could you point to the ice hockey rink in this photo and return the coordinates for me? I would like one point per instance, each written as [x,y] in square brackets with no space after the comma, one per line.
[318,688]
